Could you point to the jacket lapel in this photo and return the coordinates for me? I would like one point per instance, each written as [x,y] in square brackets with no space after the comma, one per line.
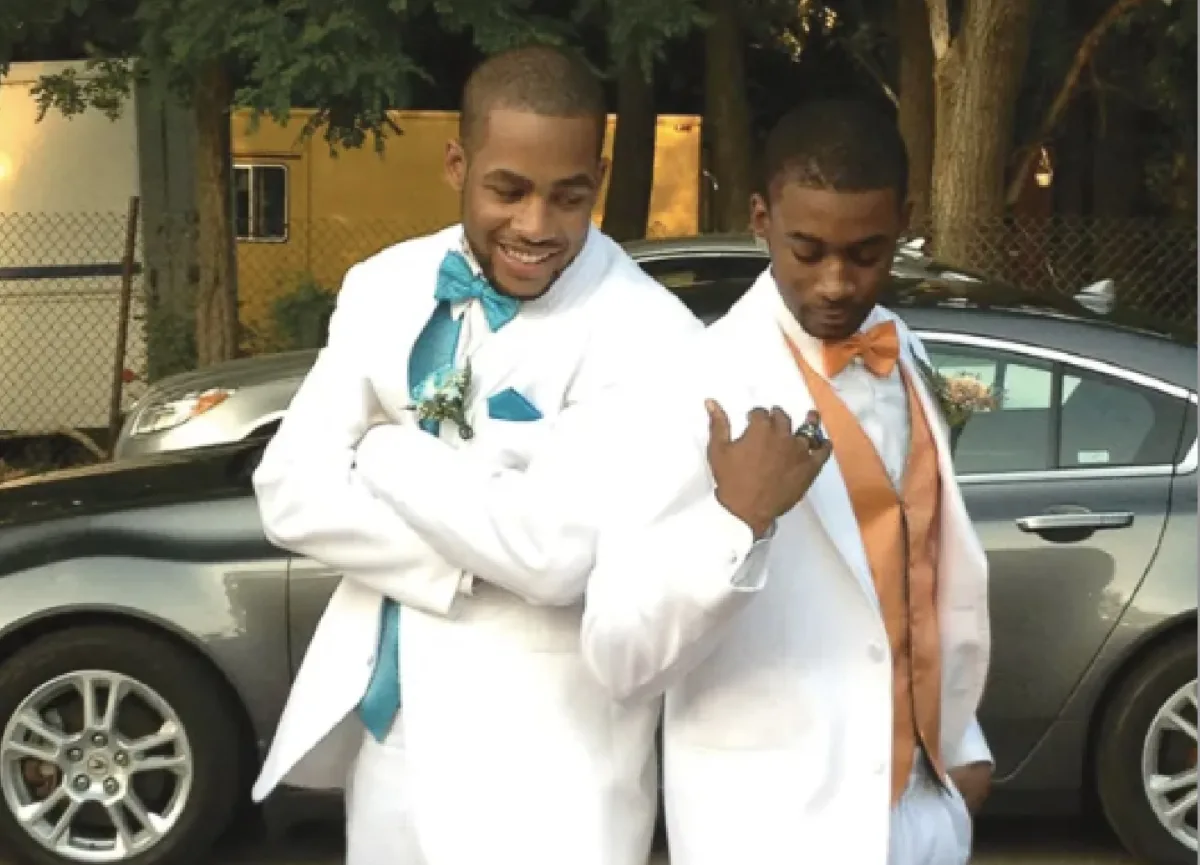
[414,304]
[782,384]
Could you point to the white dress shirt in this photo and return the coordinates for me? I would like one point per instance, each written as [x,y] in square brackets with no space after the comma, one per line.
[880,404]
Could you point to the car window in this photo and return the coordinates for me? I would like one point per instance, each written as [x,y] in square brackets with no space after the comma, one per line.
[1188,438]
[708,284]
[1110,422]
[1015,435]
[1101,421]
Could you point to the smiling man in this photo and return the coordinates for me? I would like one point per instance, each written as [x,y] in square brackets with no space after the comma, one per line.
[480,335]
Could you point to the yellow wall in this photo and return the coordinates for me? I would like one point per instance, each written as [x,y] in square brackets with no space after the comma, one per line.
[343,207]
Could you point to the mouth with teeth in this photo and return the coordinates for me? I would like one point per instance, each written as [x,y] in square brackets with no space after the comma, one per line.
[526,264]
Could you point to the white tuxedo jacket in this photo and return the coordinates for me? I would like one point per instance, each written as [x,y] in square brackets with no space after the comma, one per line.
[384,509]
[776,668]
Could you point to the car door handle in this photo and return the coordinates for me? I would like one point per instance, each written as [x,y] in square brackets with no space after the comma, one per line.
[1074,522]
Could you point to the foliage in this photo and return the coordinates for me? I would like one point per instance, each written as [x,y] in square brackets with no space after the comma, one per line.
[170,340]
[1167,89]
[300,318]
[352,60]
[641,28]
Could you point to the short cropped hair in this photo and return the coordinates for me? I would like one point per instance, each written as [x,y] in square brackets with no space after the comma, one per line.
[842,145]
[540,79]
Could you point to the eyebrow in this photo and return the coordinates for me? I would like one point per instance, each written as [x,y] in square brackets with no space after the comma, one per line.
[808,238]
[503,174]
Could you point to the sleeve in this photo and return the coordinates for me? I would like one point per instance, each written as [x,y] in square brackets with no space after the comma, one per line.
[670,572]
[972,749]
[533,532]
[529,532]
[311,501]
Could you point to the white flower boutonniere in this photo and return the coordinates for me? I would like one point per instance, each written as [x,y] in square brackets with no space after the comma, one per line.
[442,396]
[959,397]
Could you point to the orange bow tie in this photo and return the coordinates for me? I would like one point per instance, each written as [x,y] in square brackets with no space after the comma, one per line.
[878,347]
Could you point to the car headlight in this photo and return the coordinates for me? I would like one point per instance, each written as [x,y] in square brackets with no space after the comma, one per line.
[168,415]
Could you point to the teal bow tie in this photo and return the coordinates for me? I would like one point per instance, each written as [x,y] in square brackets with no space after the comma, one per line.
[457,282]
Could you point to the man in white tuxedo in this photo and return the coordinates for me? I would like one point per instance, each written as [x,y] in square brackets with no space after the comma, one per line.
[824,709]
[819,625]
[507,750]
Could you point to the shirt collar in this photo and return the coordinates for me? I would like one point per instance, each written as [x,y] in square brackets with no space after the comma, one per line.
[811,348]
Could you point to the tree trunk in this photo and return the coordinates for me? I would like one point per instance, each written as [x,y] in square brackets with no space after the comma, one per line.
[727,117]
[627,206]
[216,292]
[977,77]
[916,105]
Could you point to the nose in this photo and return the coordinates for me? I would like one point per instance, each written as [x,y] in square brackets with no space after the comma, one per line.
[834,284]
[532,221]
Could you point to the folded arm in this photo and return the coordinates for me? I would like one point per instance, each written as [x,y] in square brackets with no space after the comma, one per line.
[530,532]
[310,499]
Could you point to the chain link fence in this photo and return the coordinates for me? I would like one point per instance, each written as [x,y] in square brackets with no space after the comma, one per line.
[61,279]
[1152,263]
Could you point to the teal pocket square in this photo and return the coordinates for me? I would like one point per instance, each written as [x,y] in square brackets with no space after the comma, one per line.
[511,405]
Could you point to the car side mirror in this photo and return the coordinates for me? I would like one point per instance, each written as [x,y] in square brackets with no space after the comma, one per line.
[1099,297]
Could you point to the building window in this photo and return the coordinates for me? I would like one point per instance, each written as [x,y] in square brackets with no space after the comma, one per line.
[260,202]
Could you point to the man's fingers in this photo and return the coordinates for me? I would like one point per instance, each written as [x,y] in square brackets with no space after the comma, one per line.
[758,414]
[718,423]
[781,421]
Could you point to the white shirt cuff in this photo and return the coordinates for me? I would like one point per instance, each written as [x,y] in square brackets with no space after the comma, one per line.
[972,749]
[745,556]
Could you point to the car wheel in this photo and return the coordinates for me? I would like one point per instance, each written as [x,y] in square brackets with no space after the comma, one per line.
[1146,757]
[116,746]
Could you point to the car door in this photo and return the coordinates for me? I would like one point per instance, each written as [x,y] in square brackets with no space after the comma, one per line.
[1067,481]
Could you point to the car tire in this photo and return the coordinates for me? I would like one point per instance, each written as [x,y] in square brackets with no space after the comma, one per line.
[159,679]
[1123,734]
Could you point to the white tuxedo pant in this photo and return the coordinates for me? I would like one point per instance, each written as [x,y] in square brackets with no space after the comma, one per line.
[930,825]
[379,828]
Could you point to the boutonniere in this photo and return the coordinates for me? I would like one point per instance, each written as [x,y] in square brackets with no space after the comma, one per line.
[958,397]
[442,396]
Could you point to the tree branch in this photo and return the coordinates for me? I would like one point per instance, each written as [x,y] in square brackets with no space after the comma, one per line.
[1081,62]
[939,27]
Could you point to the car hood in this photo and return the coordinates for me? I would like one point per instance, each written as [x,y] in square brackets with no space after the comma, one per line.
[235,374]
[167,478]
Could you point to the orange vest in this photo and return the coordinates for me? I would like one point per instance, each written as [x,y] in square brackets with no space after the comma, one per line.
[899,532]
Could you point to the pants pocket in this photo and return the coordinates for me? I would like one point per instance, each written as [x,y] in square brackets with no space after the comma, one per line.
[960,819]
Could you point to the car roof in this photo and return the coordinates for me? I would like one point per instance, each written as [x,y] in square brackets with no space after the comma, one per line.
[929,295]
[925,292]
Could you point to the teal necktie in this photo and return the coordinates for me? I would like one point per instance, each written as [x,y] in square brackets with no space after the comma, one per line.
[434,349]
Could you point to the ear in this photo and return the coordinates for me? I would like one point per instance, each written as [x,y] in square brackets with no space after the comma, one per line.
[760,216]
[456,165]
